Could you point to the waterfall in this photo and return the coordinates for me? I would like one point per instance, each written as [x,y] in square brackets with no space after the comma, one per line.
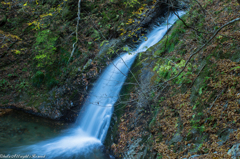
[91,127]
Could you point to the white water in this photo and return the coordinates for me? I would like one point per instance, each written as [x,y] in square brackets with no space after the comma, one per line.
[91,128]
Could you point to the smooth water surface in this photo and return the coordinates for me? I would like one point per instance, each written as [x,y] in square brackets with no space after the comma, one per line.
[18,128]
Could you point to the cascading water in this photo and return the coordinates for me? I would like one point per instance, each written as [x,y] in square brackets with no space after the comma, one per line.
[91,127]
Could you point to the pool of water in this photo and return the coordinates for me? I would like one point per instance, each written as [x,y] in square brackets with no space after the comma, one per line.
[18,128]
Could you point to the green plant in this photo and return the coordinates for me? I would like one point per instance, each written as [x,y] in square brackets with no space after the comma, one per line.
[10,75]
[24,69]
[52,82]
[131,3]
[159,156]
[3,83]
[21,86]
[38,78]
[195,122]
[171,68]
[45,48]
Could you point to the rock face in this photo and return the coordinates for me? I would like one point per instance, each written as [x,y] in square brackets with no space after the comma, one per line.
[64,102]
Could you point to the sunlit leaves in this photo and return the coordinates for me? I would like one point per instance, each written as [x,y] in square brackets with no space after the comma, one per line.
[131,3]
[17,51]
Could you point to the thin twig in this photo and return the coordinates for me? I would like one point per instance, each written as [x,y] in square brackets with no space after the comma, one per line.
[215,101]
[188,25]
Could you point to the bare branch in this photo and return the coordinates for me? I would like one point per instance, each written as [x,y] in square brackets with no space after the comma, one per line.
[78,18]
[215,101]
[188,25]
[198,50]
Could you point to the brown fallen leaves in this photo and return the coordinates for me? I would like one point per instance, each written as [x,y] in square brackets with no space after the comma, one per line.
[218,103]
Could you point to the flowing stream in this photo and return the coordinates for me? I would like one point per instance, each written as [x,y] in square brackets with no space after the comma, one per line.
[90,129]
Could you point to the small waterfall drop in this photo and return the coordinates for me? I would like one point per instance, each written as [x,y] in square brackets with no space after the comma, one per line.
[91,127]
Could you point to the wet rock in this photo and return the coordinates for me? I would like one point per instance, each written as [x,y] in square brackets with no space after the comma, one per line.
[87,64]
[55,114]
[235,151]
[132,153]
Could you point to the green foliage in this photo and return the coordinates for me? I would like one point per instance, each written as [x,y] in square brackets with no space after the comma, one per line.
[25,69]
[22,86]
[45,48]
[10,75]
[104,42]
[170,41]
[38,79]
[52,82]
[96,35]
[183,78]
[159,156]
[131,3]
[48,79]
[164,70]
[235,68]
[4,84]
[168,69]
